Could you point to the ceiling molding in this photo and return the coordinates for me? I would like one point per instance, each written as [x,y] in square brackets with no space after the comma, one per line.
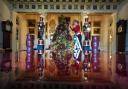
[66,6]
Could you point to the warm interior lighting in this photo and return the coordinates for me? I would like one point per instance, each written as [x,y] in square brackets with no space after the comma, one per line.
[110,57]
[86,16]
[110,36]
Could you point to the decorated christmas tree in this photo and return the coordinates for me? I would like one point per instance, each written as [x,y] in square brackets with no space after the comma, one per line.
[62,46]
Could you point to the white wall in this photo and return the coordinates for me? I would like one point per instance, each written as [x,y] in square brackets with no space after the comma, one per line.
[4,11]
[4,15]
[123,10]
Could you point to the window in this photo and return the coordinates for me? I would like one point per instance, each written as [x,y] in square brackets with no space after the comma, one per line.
[88,7]
[33,6]
[82,0]
[108,7]
[63,0]
[76,0]
[51,6]
[114,7]
[75,6]
[31,0]
[14,6]
[97,24]
[70,0]
[101,7]
[70,7]
[45,0]
[31,22]
[51,0]
[119,0]
[27,6]
[20,6]
[57,6]
[31,30]
[82,7]
[89,0]
[39,6]
[38,0]
[57,0]
[25,0]
[110,0]
[45,6]
[103,0]
[96,27]
[97,0]
[64,7]
[94,7]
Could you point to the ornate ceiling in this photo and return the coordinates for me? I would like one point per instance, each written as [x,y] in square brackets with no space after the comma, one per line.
[65,0]
[65,5]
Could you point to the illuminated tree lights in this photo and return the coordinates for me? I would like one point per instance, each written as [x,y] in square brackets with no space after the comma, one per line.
[62,47]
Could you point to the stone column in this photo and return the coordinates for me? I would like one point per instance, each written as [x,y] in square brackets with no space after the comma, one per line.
[13,15]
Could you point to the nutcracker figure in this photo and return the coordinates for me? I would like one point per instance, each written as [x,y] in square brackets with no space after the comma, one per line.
[86,45]
[40,46]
